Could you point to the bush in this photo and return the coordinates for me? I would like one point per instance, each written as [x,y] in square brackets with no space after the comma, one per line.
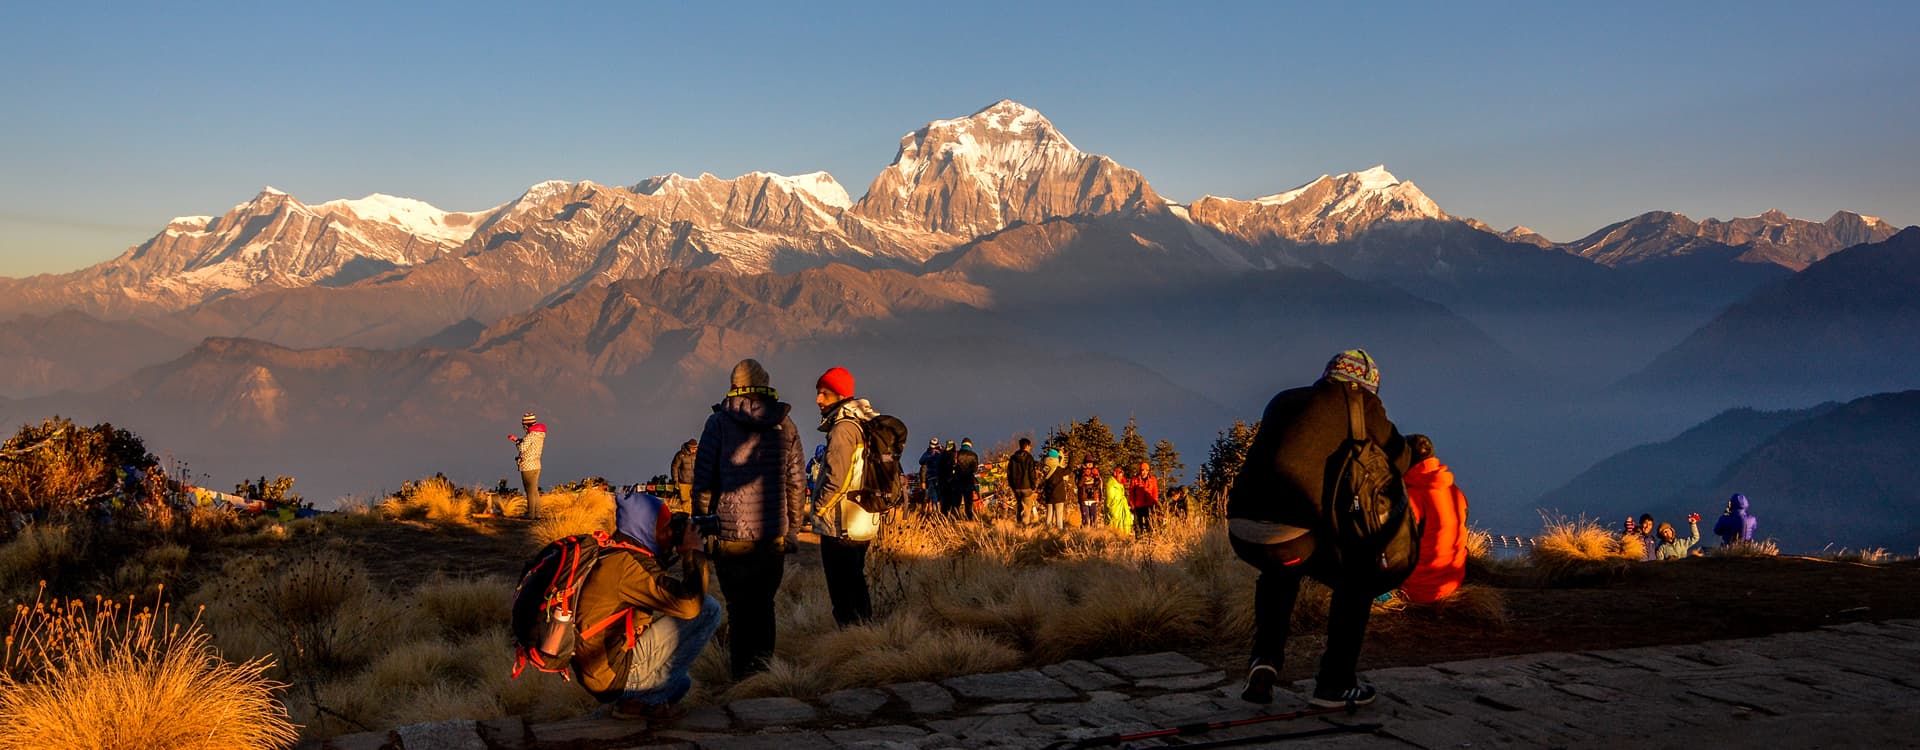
[59,468]
[112,678]
[1581,552]
[1745,548]
[433,499]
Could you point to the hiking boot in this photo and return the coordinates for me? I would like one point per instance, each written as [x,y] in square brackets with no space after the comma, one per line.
[1260,679]
[1358,695]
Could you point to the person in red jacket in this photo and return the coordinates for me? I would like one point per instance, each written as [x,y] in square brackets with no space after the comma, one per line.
[1143,493]
[1440,505]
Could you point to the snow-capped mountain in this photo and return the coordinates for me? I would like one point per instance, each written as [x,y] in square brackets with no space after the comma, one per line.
[1007,163]
[1331,208]
[1771,237]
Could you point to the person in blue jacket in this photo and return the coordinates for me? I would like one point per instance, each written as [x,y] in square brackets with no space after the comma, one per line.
[1735,525]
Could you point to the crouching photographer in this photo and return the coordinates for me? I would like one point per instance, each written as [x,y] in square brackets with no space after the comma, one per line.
[749,478]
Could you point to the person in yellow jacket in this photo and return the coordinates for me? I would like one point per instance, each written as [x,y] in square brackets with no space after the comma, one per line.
[1118,515]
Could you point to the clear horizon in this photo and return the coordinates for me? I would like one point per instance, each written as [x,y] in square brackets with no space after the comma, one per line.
[1561,119]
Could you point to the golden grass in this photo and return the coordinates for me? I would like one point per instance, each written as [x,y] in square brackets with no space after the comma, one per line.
[460,607]
[36,555]
[107,677]
[1870,555]
[569,513]
[1571,552]
[432,499]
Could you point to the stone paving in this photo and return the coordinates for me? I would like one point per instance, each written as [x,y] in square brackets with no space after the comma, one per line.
[1853,685]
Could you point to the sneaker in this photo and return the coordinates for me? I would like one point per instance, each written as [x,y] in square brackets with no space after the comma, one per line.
[1358,695]
[1260,679]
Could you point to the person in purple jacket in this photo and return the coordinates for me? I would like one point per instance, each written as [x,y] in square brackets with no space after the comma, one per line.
[1735,525]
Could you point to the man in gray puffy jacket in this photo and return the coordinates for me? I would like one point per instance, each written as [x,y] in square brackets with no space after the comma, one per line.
[681,474]
[747,469]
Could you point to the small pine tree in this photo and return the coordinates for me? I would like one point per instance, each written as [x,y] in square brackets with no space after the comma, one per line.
[1166,463]
[1224,458]
[1133,447]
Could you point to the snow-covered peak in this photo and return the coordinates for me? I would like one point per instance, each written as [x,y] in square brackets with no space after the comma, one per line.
[820,185]
[416,217]
[1002,138]
[1374,178]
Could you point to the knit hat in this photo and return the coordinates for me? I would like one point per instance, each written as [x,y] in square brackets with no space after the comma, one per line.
[966,442]
[1421,445]
[528,419]
[1053,453]
[749,374]
[1355,366]
[836,380]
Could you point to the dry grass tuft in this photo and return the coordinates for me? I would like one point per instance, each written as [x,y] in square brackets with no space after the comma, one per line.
[461,607]
[569,513]
[37,554]
[1744,548]
[1870,555]
[1482,606]
[1581,552]
[432,499]
[108,677]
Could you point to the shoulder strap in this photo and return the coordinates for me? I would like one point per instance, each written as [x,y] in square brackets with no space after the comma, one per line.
[1356,420]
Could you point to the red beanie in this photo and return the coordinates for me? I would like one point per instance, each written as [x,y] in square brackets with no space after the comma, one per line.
[837,380]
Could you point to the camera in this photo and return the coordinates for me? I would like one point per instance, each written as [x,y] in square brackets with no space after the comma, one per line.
[708,525]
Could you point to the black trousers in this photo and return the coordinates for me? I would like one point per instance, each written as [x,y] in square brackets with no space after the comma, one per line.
[1281,567]
[845,561]
[750,573]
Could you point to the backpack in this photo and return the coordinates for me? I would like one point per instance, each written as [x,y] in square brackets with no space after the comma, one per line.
[1376,538]
[885,439]
[544,604]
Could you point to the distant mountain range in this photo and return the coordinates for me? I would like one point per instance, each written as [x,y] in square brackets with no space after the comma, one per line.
[1834,474]
[992,277]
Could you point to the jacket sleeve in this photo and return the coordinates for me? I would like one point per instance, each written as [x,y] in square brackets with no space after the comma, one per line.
[837,478]
[794,478]
[706,465]
[663,594]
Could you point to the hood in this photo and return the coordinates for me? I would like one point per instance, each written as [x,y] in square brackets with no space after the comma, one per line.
[1737,505]
[1430,470]
[537,427]
[852,408]
[641,517]
[689,445]
[754,411]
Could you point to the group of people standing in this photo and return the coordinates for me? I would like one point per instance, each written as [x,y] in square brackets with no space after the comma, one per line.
[1045,491]
[1659,541]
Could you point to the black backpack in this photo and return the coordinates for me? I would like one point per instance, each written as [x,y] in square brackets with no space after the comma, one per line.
[545,630]
[885,481]
[1376,538]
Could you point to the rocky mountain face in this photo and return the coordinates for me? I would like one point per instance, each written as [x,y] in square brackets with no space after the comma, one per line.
[1327,210]
[270,242]
[1772,237]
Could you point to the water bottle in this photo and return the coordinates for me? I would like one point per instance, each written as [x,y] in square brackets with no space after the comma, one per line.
[556,636]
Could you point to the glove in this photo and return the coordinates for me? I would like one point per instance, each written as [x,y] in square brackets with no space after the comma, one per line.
[1693,518]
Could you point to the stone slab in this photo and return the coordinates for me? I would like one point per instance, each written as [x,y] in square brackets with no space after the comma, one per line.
[983,727]
[1004,708]
[1007,687]
[763,712]
[461,734]
[1082,675]
[767,741]
[1163,664]
[1182,683]
[581,731]
[895,733]
[705,719]
[854,702]
[364,741]
[923,698]
[509,733]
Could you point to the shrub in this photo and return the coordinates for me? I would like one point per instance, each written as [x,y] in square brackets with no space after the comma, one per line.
[464,607]
[569,513]
[1745,548]
[1871,555]
[432,499]
[37,554]
[112,678]
[1576,552]
[60,467]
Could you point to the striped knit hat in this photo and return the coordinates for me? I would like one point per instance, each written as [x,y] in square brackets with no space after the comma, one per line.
[528,418]
[1355,366]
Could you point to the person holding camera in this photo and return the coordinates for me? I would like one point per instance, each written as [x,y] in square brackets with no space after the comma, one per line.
[1674,548]
[845,529]
[748,477]
[644,669]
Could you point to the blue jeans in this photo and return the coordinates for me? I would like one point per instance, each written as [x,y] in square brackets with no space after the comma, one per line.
[663,655]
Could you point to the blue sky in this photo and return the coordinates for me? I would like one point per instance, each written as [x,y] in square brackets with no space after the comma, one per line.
[1560,117]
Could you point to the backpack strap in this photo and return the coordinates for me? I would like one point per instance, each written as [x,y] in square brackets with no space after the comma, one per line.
[1356,421]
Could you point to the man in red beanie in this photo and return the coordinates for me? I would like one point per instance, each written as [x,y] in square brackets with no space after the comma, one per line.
[845,529]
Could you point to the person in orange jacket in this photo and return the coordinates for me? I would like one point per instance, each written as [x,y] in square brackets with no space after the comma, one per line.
[1143,495]
[1442,509]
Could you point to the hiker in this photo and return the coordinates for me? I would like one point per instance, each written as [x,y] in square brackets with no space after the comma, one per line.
[943,478]
[1177,501]
[646,674]
[1442,510]
[1088,483]
[1275,521]
[528,459]
[930,475]
[1671,546]
[747,471]
[680,473]
[1056,488]
[1735,525]
[1649,538]
[1021,477]
[1118,515]
[1143,494]
[845,529]
[963,483]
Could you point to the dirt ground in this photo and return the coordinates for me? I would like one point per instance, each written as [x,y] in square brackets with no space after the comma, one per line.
[1657,603]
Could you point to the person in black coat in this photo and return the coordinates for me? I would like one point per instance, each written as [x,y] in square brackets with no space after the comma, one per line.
[1020,479]
[748,469]
[1274,521]
[962,482]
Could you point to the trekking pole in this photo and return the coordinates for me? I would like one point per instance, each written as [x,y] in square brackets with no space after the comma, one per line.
[1187,729]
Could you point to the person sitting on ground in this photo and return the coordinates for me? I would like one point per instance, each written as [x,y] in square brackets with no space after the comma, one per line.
[644,670]
[1442,509]
[1674,548]
[1735,525]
